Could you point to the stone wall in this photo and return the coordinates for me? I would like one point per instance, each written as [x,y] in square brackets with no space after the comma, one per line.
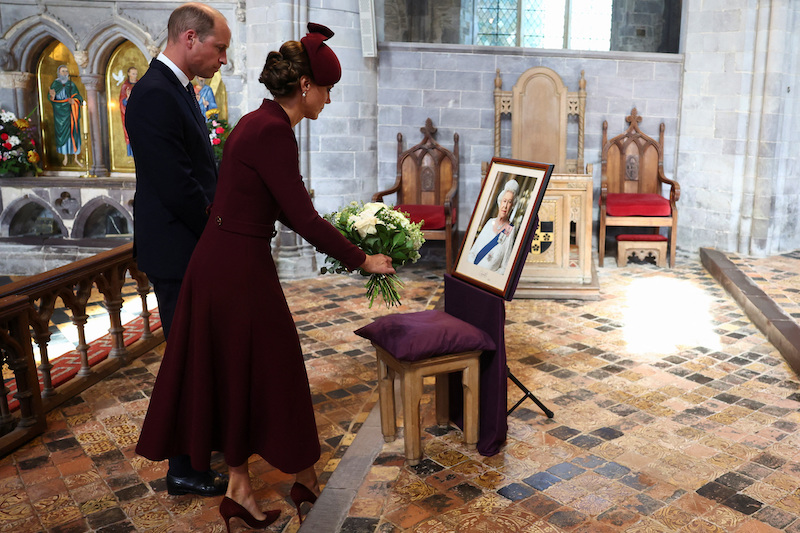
[738,133]
[638,25]
[453,85]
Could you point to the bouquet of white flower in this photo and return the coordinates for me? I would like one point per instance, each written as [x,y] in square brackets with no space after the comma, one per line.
[376,228]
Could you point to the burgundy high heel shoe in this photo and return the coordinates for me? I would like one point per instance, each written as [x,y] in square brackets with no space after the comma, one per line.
[230,509]
[301,494]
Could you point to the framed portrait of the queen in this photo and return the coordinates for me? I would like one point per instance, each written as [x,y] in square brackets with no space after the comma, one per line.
[500,231]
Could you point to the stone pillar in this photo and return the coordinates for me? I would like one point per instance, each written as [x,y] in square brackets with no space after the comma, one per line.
[94,86]
[269,24]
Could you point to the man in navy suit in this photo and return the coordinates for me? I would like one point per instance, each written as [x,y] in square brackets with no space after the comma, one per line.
[176,176]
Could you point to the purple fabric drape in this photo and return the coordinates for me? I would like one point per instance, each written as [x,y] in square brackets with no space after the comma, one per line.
[486,311]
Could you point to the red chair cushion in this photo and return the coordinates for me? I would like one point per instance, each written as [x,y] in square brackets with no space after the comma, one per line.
[650,237]
[432,216]
[637,205]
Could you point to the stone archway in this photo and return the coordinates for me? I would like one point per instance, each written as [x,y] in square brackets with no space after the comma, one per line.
[31,216]
[102,217]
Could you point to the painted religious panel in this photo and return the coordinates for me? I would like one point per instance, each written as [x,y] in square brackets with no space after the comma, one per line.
[212,97]
[126,65]
[61,95]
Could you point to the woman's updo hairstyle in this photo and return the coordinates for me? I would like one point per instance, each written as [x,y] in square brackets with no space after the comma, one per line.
[283,69]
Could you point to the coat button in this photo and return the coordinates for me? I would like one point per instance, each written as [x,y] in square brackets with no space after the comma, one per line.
[219,221]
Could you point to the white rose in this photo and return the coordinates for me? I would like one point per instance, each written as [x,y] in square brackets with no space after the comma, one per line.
[13,140]
[365,224]
[7,116]
[373,207]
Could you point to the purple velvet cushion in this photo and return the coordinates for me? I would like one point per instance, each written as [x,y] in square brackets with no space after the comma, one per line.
[416,336]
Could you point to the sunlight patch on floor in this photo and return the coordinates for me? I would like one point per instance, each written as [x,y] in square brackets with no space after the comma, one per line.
[666,315]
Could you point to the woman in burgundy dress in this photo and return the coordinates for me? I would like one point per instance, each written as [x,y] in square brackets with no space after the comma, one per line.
[233,377]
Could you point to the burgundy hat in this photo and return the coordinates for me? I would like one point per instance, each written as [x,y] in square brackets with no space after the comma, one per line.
[324,64]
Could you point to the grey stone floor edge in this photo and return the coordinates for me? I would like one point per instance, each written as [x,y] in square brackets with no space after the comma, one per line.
[779,328]
[330,510]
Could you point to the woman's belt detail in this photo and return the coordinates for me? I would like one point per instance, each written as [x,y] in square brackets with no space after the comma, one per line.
[250,229]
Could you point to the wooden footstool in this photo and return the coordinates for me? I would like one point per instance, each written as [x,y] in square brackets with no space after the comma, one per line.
[427,343]
[411,375]
[642,246]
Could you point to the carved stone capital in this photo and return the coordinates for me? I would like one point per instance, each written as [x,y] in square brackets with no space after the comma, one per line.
[241,11]
[153,49]
[93,82]
[81,58]
[16,80]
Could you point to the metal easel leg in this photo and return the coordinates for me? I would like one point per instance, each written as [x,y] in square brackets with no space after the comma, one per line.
[528,394]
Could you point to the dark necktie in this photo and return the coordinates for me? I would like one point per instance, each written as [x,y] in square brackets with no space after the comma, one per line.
[193,96]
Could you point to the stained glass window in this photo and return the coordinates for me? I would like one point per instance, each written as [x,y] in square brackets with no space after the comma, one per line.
[542,23]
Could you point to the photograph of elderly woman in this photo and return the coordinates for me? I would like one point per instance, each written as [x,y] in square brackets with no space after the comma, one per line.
[497,233]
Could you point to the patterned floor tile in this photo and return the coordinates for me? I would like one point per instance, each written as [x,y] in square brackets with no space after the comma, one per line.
[684,421]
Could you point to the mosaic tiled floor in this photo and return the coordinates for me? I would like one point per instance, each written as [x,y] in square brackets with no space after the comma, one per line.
[688,426]
[83,475]
[672,413]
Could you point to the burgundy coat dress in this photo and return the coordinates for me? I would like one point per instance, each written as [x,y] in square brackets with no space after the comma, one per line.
[232,378]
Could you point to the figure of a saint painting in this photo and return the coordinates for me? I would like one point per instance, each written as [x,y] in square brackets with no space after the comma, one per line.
[205,97]
[66,101]
[124,93]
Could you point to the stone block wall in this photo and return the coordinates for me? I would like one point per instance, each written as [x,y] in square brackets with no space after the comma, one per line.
[453,85]
[739,118]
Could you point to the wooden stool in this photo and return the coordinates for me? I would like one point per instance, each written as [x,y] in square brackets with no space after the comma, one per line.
[411,375]
[641,246]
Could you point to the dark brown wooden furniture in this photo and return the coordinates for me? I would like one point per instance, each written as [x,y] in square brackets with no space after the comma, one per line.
[427,187]
[630,191]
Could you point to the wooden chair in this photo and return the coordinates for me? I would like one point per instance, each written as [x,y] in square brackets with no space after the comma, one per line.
[630,191]
[539,105]
[427,188]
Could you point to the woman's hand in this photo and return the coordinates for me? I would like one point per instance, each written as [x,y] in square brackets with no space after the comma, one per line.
[378,264]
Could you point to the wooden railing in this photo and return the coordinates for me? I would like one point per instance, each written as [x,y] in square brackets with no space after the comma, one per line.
[27,306]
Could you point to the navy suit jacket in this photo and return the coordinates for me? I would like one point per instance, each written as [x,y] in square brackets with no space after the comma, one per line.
[176,174]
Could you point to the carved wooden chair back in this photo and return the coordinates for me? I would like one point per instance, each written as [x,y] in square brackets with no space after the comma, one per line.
[540,106]
[427,172]
[427,187]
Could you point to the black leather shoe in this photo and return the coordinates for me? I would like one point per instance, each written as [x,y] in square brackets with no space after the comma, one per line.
[209,483]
